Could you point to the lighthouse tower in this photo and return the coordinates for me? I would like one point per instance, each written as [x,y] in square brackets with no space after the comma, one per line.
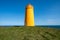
[29,15]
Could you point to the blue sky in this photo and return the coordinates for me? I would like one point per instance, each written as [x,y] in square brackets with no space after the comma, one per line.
[46,12]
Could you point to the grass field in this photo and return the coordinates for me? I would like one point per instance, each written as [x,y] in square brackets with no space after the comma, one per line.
[29,33]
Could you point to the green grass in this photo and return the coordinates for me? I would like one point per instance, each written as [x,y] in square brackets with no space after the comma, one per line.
[29,33]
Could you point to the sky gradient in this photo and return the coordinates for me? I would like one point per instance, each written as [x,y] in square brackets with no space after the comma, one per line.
[46,12]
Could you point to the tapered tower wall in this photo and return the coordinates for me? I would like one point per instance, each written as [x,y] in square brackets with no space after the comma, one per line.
[29,15]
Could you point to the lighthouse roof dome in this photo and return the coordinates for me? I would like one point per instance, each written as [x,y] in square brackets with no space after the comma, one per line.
[29,6]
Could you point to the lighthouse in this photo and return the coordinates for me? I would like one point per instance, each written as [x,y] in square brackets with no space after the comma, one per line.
[29,15]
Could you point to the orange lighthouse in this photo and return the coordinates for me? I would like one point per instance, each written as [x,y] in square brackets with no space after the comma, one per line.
[29,15]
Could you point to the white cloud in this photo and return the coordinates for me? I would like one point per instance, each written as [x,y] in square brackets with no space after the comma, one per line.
[52,22]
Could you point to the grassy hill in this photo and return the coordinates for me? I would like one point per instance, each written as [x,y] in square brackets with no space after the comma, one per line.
[29,33]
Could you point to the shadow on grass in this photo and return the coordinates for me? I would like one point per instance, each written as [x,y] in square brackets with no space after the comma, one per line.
[44,37]
[25,38]
[51,34]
